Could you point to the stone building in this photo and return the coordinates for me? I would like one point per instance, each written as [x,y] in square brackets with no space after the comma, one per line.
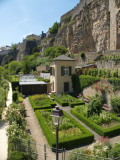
[61,70]
[93,25]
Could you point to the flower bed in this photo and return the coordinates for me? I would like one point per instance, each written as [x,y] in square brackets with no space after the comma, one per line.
[71,133]
[105,124]
[41,102]
[67,100]
[100,150]
[20,143]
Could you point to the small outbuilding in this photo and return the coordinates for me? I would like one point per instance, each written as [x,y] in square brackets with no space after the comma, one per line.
[61,70]
[29,86]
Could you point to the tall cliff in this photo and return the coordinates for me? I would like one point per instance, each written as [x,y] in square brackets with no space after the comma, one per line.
[93,26]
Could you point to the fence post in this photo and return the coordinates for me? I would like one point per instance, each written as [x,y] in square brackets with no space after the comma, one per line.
[45,154]
[63,153]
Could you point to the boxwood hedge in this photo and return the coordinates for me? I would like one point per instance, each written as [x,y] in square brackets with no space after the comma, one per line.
[48,104]
[68,101]
[110,132]
[69,142]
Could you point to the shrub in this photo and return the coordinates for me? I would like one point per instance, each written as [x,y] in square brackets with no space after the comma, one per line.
[66,142]
[86,81]
[95,106]
[54,28]
[82,55]
[15,96]
[113,131]
[115,103]
[41,102]
[66,100]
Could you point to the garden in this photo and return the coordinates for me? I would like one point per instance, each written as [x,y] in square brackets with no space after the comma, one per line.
[41,102]
[101,121]
[66,100]
[20,143]
[101,149]
[3,95]
[71,133]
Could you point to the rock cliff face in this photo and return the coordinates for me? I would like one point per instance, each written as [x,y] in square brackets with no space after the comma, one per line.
[92,26]
[87,31]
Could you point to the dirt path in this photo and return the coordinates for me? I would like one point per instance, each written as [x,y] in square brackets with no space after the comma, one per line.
[37,133]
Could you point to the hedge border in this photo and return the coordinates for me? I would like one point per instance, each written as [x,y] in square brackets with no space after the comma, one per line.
[110,132]
[67,103]
[52,105]
[67,143]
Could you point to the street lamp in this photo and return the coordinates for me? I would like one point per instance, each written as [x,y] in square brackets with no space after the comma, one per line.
[57,115]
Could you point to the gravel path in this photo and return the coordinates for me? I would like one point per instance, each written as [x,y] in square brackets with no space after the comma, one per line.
[3,127]
[37,133]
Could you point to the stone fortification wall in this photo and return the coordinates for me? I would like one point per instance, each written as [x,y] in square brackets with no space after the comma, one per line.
[108,64]
[89,30]
[75,11]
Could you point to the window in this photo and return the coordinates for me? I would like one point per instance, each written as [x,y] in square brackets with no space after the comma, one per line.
[66,71]
[66,86]
[52,71]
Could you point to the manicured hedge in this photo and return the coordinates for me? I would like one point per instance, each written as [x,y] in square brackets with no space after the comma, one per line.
[59,100]
[86,81]
[110,132]
[69,142]
[70,101]
[49,104]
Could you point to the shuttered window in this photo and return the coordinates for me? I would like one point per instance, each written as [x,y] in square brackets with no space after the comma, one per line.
[66,71]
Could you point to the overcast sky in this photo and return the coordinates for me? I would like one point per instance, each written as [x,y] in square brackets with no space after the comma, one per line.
[19,18]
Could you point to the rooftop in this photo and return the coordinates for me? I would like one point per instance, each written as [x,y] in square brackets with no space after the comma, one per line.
[63,58]
[32,83]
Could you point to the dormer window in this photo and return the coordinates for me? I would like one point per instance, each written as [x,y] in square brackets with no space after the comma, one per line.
[66,71]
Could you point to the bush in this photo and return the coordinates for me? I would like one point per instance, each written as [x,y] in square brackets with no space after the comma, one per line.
[66,142]
[41,102]
[109,132]
[86,81]
[95,106]
[66,100]
[115,103]
[54,28]
[15,96]
[15,155]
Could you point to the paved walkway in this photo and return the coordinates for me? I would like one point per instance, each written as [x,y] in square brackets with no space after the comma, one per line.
[3,127]
[37,133]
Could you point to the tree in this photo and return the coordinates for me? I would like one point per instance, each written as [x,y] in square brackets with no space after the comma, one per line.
[54,28]
[14,67]
[2,71]
[53,52]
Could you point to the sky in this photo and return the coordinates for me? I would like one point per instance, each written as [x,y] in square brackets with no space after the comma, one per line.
[19,18]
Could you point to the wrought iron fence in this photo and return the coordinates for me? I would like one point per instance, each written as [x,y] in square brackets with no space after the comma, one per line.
[47,153]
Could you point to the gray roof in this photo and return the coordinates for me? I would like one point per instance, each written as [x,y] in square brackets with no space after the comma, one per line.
[63,58]
[85,66]
[32,83]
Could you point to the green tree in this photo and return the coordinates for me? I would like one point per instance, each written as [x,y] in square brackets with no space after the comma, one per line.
[54,28]
[53,52]
[14,67]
